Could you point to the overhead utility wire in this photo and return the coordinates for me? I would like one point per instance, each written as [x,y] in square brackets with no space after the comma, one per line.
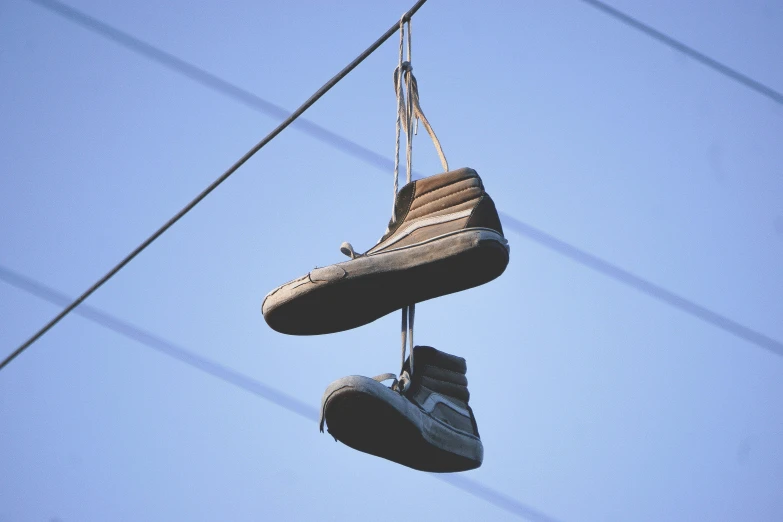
[247,383]
[201,76]
[298,112]
[725,70]
[658,292]
[374,159]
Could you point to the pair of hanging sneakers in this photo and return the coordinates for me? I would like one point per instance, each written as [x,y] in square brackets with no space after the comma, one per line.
[445,236]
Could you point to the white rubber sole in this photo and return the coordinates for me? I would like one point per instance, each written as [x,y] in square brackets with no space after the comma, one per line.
[356,292]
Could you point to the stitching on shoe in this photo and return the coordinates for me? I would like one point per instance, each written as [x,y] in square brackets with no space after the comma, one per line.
[452,183]
[452,372]
[464,206]
[436,398]
[474,209]
[408,209]
[419,224]
[446,196]
[273,292]
[502,240]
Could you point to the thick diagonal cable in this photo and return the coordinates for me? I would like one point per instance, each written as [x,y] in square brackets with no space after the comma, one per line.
[223,177]
[245,382]
[372,158]
[712,63]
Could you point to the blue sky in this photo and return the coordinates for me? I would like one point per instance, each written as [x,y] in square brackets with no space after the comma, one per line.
[594,400]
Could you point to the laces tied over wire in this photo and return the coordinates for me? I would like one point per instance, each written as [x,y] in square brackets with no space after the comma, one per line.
[410,113]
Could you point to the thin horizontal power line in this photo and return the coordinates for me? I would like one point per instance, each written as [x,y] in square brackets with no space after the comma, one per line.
[215,184]
[712,63]
[651,289]
[205,78]
[254,386]
[382,163]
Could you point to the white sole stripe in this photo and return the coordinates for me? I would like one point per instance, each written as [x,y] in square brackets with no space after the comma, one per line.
[421,223]
[435,398]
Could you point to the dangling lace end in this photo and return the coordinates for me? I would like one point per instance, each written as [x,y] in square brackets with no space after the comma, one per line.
[347,249]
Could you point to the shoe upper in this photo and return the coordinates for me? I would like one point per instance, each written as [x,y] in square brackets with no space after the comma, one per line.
[438,205]
[439,387]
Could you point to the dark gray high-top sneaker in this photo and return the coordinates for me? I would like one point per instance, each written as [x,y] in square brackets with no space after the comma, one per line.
[445,236]
[429,427]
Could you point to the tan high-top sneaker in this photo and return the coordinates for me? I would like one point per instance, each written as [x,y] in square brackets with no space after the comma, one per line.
[445,236]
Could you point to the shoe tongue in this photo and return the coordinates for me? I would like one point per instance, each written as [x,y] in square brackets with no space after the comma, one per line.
[401,205]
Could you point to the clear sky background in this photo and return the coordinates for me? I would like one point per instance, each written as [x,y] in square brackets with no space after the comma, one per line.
[595,401]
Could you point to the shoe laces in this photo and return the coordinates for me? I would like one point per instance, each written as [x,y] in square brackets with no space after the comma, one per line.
[409,113]
[402,382]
